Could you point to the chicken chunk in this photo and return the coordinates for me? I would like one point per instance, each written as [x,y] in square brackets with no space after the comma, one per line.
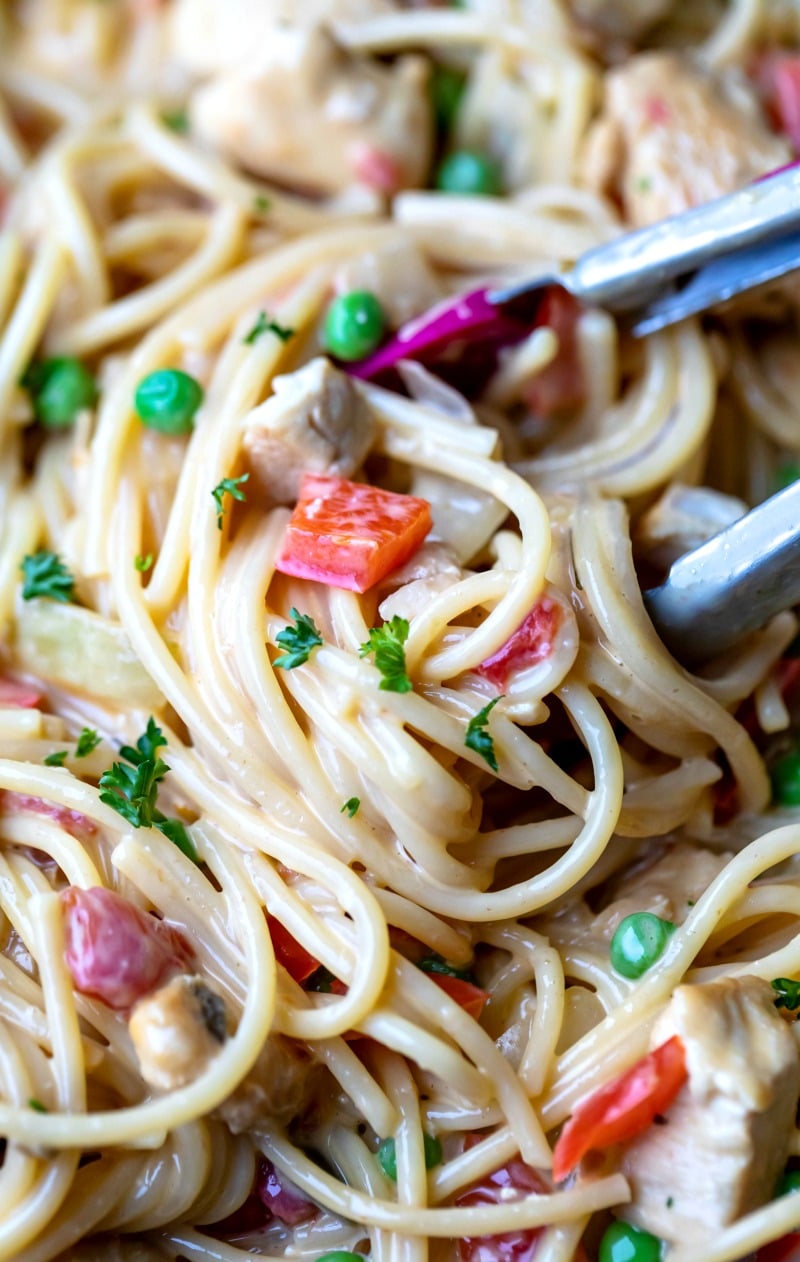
[673,135]
[177,1031]
[305,112]
[682,519]
[280,1083]
[315,422]
[726,1138]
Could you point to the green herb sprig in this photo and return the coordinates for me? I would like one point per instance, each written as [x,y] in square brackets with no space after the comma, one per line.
[232,487]
[478,737]
[386,644]
[298,641]
[45,574]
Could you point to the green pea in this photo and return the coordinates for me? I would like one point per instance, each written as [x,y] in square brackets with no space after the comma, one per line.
[786,474]
[60,388]
[790,1182]
[447,89]
[623,1243]
[468,172]
[167,400]
[785,777]
[639,940]
[354,325]
[387,1155]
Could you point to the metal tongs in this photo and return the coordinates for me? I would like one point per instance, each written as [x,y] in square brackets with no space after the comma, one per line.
[657,276]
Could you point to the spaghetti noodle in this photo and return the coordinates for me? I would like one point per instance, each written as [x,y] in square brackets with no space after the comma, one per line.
[315,856]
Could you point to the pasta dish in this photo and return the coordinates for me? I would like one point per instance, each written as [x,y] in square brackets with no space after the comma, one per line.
[373,881]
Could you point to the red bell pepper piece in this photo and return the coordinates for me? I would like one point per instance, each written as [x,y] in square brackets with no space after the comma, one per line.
[349,534]
[623,1108]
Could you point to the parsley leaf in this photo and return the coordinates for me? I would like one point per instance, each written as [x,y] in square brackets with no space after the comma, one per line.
[265,324]
[260,204]
[232,487]
[435,963]
[351,806]
[178,835]
[87,741]
[45,574]
[386,643]
[478,738]
[37,1106]
[149,742]
[787,993]
[176,120]
[298,641]
[56,759]
[143,563]
[132,791]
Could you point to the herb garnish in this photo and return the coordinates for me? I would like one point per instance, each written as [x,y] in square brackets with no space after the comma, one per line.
[260,203]
[787,993]
[435,963]
[298,641]
[37,1106]
[386,643]
[45,574]
[131,788]
[478,739]
[56,759]
[265,324]
[143,563]
[350,806]
[87,742]
[176,120]
[228,486]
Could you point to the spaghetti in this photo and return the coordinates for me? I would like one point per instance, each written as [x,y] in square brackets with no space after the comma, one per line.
[313,868]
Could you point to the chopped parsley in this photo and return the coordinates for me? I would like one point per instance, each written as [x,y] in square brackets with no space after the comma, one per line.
[386,643]
[435,963]
[131,788]
[478,738]
[37,1106]
[350,806]
[143,563]
[321,981]
[298,641]
[176,120]
[787,993]
[260,204]
[265,324]
[56,759]
[87,742]
[232,487]
[45,574]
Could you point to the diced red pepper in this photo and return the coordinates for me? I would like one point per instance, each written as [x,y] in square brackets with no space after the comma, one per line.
[73,822]
[561,384]
[375,167]
[14,695]
[511,1182]
[282,1198]
[623,1108]
[468,996]
[298,962]
[778,77]
[532,642]
[116,952]
[787,1249]
[349,534]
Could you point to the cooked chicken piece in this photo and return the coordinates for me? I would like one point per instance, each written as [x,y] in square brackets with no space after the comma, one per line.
[668,886]
[431,570]
[206,36]
[283,1078]
[398,275]
[682,519]
[619,19]
[725,1140]
[316,421]
[673,135]
[307,113]
[177,1031]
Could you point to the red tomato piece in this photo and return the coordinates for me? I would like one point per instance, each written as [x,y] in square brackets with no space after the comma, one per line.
[73,822]
[787,1249]
[511,1182]
[282,1198]
[623,1108]
[468,996]
[17,695]
[351,535]
[532,642]
[778,76]
[116,952]
[560,385]
[298,962]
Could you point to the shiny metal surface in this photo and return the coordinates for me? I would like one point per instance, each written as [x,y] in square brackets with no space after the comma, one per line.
[733,584]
